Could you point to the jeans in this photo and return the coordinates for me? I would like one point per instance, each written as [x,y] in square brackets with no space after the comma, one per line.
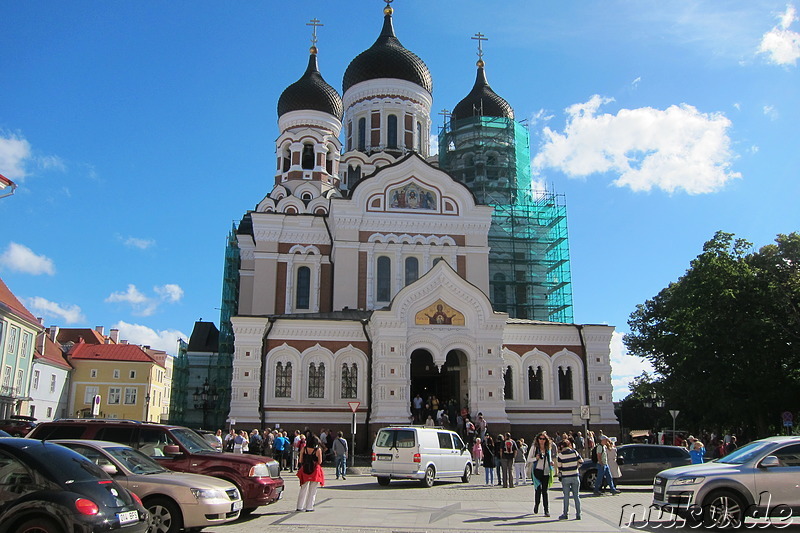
[603,473]
[489,472]
[572,485]
[341,465]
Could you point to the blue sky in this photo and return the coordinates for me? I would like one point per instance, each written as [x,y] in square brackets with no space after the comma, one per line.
[139,131]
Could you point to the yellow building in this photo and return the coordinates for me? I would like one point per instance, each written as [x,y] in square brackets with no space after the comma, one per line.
[130,383]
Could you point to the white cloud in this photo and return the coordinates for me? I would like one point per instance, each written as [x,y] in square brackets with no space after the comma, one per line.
[135,242]
[624,367]
[20,258]
[51,162]
[69,314]
[165,340]
[671,149]
[780,44]
[143,305]
[433,145]
[737,106]
[771,112]
[170,292]
[635,83]
[14,151]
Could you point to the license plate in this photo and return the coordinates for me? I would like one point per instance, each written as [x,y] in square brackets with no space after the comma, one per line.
[127,518]
[384,458]
[236,506]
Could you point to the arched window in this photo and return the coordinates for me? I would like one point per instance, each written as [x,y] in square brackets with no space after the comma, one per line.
[287,159]
[508,388]
[500,293]
[384,279]
[308,157]
[316,380]
[353,174]
[362,134]
[349,381]
[412,270]
[565,383]
[419,137]
[283,380]
[391,131]
[303,287]
[535,383]
[349,135]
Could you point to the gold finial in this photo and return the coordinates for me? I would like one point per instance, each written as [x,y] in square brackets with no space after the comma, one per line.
[480,38]
[388,9]
[316,24]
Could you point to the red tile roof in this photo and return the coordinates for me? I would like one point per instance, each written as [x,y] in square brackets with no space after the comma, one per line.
[8,300]
[109,352]
[52,353]
[74,335]
[5,182]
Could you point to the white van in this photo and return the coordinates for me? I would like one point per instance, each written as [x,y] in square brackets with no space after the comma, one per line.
[423,453]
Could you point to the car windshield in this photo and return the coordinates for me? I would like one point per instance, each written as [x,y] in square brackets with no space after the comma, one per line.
[135,461]
[745,453]
[192,441]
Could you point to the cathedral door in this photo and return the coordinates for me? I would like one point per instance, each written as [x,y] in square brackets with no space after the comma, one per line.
[449,386]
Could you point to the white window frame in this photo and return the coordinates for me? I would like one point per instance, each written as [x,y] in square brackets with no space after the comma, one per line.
[18,381]
[52,382]
[114,395]
[132,374]
[89,394]
[131,394]
[13,339]
[116,373]
[93,373]
[36,379]
[7,376]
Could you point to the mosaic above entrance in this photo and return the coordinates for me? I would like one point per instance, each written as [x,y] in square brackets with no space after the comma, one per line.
[413,196]
[439,314]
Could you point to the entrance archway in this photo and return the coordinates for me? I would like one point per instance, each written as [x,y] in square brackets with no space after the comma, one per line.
[450,385]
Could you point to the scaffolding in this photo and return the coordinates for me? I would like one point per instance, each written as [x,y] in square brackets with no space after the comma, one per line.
[529,267]
[220,371]
[180,384]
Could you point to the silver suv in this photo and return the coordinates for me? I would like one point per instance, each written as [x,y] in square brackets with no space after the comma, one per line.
[761,480]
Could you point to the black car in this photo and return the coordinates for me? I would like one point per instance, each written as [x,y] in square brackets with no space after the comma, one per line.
[48,488]
[638,463]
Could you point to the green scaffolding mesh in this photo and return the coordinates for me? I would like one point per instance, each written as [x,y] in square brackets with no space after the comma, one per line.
[221,366]
[529,268]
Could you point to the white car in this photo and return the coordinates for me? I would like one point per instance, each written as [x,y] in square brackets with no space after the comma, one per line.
[176,500]
[423,453]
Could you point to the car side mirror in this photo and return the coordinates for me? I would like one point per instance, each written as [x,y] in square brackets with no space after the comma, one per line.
[110,469]
[770,461]
[172,449]
[620,460]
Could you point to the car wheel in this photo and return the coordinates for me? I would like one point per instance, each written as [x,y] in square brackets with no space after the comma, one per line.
[467,474]
[588,479]
[165,516]
[723,509]
[383,480]
[38,525]
[430,475]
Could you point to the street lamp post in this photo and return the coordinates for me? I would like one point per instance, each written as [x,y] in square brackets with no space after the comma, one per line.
[205,399]
[655,399]
[147,407]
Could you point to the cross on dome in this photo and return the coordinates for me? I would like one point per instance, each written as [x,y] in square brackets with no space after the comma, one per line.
[316,24]
[480,38]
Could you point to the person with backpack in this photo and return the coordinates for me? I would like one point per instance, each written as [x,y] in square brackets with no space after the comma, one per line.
[310,474]
[340,454]
[509,452]
[600,458]
[568,462]
[541,457]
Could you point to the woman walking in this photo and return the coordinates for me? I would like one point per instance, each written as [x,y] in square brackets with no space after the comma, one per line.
[542,459]
[310,474]
[613,467]
[488,459]
[477,454]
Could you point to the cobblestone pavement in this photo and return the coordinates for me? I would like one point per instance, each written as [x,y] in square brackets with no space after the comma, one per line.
[359,505]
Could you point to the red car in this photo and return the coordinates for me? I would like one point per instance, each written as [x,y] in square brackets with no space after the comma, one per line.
[181,449]
[18,425]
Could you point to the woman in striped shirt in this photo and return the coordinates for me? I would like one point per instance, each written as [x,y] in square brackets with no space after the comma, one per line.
[568,460]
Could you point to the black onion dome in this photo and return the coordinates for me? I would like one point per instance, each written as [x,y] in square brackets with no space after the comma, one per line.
[387,58]
[311,92]
[482,101]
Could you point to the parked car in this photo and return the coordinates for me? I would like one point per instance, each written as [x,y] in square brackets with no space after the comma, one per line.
[426,454]
[46,488]
[175,500]
[181,449]
[18,425]
[759,479]
[638,463]
[210,438]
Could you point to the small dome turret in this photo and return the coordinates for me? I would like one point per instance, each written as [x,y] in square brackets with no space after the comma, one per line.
[311,92]
[481,101]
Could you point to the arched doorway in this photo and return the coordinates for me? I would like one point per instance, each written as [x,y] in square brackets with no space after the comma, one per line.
[450,385]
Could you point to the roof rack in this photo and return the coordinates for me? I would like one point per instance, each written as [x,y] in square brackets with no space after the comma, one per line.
[129,421]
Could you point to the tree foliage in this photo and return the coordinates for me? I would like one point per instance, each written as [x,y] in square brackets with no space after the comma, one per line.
[724,338]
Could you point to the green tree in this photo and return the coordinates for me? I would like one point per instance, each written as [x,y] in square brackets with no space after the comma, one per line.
[724,338]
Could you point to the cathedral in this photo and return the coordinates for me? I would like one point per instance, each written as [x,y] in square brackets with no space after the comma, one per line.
[374,272]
